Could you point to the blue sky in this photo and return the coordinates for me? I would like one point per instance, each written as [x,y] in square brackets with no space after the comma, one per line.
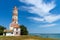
[39,16]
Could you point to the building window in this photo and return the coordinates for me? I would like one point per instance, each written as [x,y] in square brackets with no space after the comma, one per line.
[16,32]
[12,33]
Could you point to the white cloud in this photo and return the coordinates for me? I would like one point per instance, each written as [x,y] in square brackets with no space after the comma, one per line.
[36,19]
[52,18]
[48,25]
[42,9]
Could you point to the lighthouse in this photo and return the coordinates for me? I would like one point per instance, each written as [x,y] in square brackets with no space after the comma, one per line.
[14,29]
[14,26]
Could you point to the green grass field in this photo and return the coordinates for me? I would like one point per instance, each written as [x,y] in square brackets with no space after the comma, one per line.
[23,38]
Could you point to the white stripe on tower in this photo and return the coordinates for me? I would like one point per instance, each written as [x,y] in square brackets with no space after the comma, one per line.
[15,15]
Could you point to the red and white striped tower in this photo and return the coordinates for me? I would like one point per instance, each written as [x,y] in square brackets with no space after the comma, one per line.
[14,25]
[15,15]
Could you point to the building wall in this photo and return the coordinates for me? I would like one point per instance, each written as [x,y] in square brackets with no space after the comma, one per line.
[16,31]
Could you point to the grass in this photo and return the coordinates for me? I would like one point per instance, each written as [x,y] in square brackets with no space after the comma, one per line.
[23,38]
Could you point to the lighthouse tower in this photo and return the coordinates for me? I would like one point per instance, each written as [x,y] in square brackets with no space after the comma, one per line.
[14,26]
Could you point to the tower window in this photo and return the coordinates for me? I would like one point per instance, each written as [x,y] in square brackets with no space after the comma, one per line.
[16,28]
[15,22]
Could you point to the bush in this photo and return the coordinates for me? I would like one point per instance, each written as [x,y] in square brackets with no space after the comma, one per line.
[1,29]
[24,30]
